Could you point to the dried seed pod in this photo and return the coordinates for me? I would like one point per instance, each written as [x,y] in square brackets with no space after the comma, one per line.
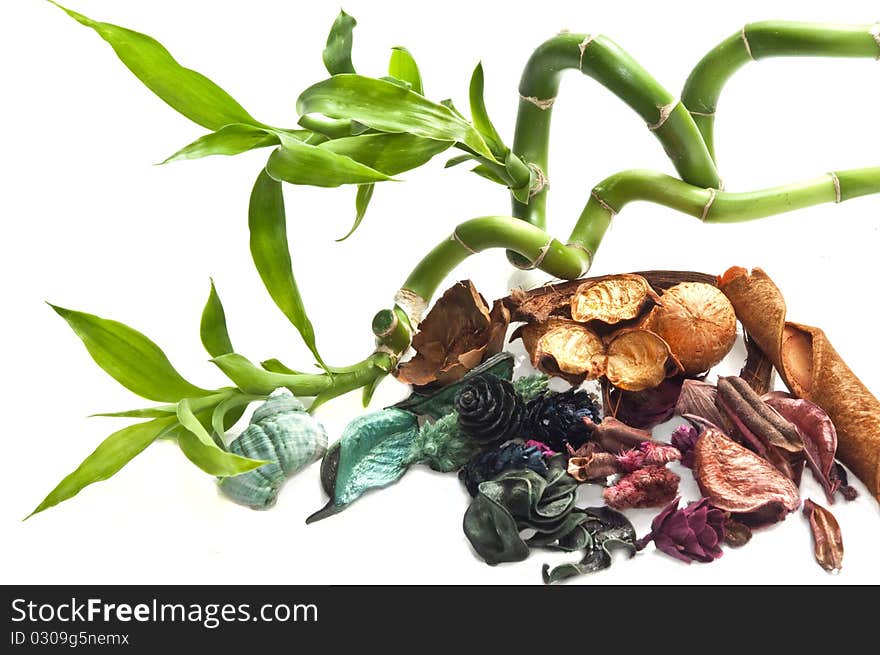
[698,322]
[736,480]
[564,349]
[639,360]
[612,300]
[827,542]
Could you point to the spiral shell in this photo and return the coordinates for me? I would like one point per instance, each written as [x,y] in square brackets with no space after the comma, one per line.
[283,433]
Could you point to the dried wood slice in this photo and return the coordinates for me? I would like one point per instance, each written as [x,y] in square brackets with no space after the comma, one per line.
[612,300]
[638,360]
[564,348]
[698,322]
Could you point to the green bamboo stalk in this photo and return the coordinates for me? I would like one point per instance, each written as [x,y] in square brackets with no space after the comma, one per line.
[769,39]
[710,205]
[607,63]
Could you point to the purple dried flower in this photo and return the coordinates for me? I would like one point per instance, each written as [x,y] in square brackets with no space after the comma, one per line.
[684,437]
[692,533]
[543,448]
[648,453]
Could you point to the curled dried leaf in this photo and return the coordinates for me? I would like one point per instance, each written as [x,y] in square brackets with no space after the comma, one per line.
[827,541]
[698,322]
[697,401]
[615,436]
[736,480]
[638,360]
[612,300]
[564,349]
[457,334]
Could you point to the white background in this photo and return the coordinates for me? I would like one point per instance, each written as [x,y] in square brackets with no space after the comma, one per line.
[90,223]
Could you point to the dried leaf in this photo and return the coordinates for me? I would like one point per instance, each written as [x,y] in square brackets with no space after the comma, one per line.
[612,300]
[828,544]
[698,323]
[614,436]
[564,349]
[697,400]
[639,360]
[736,480]
[457,334]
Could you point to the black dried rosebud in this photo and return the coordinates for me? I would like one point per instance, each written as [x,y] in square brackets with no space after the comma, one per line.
[492,463]
[557,419]
[489,409]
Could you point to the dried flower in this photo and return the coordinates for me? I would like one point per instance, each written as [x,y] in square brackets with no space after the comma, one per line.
[615,436]
[644,409]
[648,453]
[457,334]
[684,437]
[692,533]
[557,418]
[593,466]
[543,448]
[489,409]
[651,486]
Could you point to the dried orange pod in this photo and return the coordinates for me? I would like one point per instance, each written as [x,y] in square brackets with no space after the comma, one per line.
[812,369]
[638,360]
[564,349]
[612,300]
[698,322]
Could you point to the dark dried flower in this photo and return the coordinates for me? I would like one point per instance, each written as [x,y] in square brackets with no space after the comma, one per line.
[644,409]
[457,334]
[692,533]
[838,473]
[684,437]
[557,419]
[651,486]
[489,409]
[492,463]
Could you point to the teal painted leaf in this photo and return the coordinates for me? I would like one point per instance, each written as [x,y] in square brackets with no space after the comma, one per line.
[190,93]
[129,357]
[387,153]
[115,451]
[389,108]
[271,255]
[215,336]
[301,163]
[403,67]
[228,140]
[440,402]
[481,117]
[374,451]
[337,53]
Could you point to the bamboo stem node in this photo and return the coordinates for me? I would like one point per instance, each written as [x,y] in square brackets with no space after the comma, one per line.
[836,181]
[582,46]
[412,304]
[745,40]
[875,32]
[541,103]
[541,254]
[455,237]
[589,253]
[665,113]
[603,204]
[712,194]
[541,181]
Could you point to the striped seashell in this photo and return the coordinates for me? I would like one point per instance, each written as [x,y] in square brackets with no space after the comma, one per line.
[282,432]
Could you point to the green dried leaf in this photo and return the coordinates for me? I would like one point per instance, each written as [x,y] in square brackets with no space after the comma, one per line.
[129,357]
[389,108]
[214,334]
[374,451]
[271,255]
[301,163]
[402,66]
[108,458]
[387,153]
[190,93]
[481,117]
[201,449]
[228,140]
[361,202]
[337,53]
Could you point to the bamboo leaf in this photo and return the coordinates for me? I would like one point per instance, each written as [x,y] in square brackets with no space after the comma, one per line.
[271,255]
[190,93]
[361,202]
[275,366]
[108,458]
[481,117]
[387,153]
[300,163]
[489,174]
[227,412]
[337,53]
[147,412]
[129,357]
[403,67]
[228,140]
[459,159]
[389,108]
[214,334]
[201,449]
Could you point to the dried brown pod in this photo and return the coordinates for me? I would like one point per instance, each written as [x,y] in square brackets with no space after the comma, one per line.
[827,541]
[545,302]
[638,360]
[594,466]
[736,534]
[615,436]
[457,334]
[612,300]
[698,322]
[811,368]
[564,349]
[696,403]
[736,480]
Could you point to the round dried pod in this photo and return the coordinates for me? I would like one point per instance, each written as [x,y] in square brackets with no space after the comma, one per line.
[698,322]
[565,349]
[612,300]
[638,359]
